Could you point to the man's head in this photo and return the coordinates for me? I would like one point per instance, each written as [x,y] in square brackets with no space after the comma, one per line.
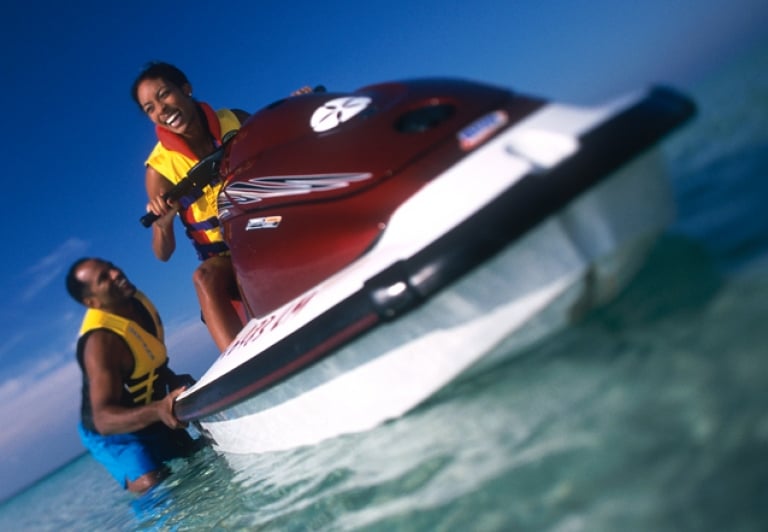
[97,283]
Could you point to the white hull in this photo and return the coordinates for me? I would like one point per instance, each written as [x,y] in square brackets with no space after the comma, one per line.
[575,260]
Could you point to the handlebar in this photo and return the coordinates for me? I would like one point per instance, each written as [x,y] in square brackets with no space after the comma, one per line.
[205,172]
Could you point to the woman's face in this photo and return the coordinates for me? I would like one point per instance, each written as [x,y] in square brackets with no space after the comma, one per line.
[167,105]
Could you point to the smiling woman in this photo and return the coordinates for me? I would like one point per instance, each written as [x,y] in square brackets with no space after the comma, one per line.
[187,131]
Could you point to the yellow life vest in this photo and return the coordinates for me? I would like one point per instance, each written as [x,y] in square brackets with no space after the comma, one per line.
[201,217]
[149,353]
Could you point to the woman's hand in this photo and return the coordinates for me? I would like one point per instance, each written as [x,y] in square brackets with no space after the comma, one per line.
[164,209]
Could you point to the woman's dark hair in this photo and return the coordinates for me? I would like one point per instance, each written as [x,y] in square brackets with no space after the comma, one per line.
[158,70]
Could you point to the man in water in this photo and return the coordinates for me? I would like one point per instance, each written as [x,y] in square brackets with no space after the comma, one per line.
[127,420]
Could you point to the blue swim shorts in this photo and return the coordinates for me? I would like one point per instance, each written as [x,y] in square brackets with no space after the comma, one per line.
[129,456]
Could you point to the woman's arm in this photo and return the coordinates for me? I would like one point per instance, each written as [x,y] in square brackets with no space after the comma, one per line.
[163,237]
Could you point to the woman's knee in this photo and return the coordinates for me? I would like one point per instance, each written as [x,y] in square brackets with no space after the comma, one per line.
[214,273]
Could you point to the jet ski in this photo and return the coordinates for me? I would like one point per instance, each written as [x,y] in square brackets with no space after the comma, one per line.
[390,240]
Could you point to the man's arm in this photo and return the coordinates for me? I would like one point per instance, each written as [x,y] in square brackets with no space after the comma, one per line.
[106,359]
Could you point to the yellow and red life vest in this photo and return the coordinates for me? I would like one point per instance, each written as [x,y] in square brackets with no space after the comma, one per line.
[173,158]
[149,354]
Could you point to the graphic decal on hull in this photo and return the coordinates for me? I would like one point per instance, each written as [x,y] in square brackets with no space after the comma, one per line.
[265,222]
[259,188]
[256,328]
[337,111]
[481,129]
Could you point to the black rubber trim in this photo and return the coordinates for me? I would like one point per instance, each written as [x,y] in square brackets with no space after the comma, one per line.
[513,213]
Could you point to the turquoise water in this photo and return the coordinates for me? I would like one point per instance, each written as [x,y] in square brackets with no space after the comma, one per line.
[651,414]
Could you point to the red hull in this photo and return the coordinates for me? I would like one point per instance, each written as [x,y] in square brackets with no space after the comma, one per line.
[410,136]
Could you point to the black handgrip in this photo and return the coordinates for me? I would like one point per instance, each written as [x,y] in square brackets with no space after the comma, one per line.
[148,219]
[195,179]
[205,172]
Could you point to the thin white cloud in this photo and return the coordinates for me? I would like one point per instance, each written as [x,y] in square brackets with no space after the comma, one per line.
[37,365]
[40,399]
[190,347]
[9,343]
[50,268]
[39,419]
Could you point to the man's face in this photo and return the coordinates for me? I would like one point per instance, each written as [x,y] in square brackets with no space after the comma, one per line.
[106,284]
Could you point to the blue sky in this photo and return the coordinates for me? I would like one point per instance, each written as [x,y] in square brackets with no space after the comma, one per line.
[73,143]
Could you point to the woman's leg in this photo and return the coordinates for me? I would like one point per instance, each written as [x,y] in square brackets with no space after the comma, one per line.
[216,287]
